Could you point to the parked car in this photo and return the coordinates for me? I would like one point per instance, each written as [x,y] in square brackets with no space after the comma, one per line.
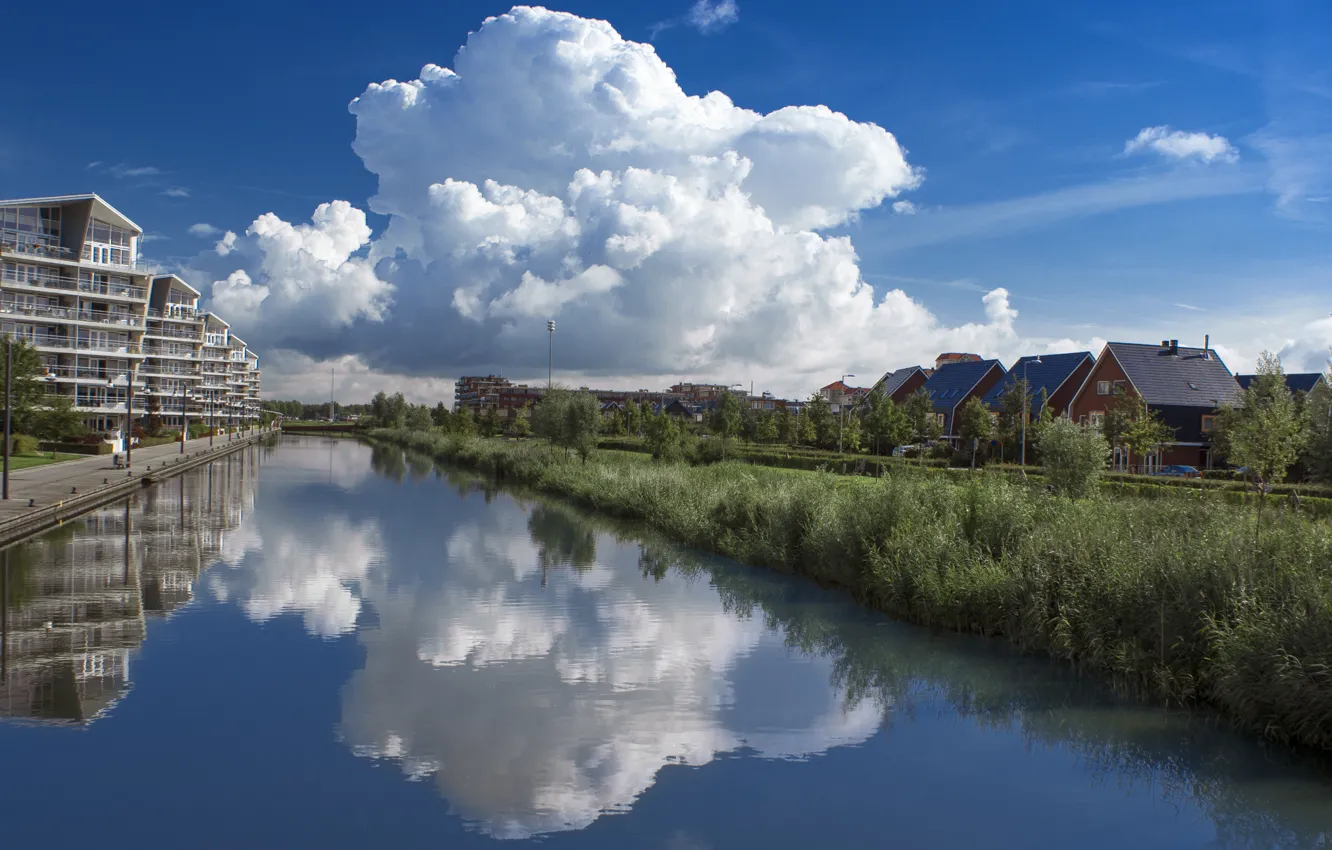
[904,451]
[1179,471]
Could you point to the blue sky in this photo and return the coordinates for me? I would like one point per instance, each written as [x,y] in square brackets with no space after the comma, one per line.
[1018,119]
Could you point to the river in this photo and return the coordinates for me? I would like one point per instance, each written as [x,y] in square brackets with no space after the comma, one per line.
[313,644]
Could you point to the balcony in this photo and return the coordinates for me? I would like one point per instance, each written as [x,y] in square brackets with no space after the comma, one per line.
[169,332]
[89,373]
[176,313]
[73,314]
[47,281]
[35,246]
[168,353]
[72,344]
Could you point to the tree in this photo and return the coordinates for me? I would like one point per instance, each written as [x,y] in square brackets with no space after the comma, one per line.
[663,437]
[27,394]
[568,419]
[851,434]
[1131,425]
[1014,404]
[818,413]
[886,423]
[463,423]
[439,415]
[1074,457]
[55,420]
[976,425]
[1263,432]
[726,417]
[522,423]
[786,425]
[633,417]
[766,429]
[925,425]
[418,417]
[1317,455]
[806,434]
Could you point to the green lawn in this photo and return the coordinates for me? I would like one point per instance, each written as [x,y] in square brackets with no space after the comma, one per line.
[40,459]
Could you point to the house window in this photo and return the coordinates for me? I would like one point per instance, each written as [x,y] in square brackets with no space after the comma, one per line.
[939,417]
[1096,418]
[1103,388]
[1119,386]
[1208,422]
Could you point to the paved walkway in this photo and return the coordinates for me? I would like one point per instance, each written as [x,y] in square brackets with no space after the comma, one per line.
[55,482]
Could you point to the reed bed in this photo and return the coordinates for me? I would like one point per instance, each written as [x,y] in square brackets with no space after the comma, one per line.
[1180,598]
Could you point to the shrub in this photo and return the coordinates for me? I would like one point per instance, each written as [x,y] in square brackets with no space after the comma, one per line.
[22,444]
[1074,457]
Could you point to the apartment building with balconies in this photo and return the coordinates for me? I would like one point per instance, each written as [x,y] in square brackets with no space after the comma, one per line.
[214,368]
[71,285]
[172,345]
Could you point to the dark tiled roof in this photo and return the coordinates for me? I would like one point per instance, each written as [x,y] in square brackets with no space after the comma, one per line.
[951,382]
[891,381]
[1052,371]
[1299,382]
[1186,379]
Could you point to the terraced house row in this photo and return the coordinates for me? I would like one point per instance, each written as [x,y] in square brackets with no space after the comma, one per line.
[109,330]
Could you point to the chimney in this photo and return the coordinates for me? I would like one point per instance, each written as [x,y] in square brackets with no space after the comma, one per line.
[1174,347]
[1207,346]
[1165,346]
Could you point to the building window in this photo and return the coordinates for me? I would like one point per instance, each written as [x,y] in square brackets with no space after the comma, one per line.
[1208,423]
[939,418]
[1096,419]
[1119,386]
[1103,388]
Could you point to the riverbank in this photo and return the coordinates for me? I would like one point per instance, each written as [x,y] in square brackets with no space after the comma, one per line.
[45,496]
[1173,597]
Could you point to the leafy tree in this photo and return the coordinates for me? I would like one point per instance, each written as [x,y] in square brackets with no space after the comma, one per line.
[726,417]
[55,420]
[633,417]
[818,412]
[921,417]
[806,433]
[1014,404]
[568,419]
[522,423]
[1318,425]
[766,429]
[852,434]
[886,423]
[1131,425]
[1263,432]
[786,425]
[975,424]
[418,417]
[440,416]
[389,411]
[663,437]
[463,423]
[1074,457]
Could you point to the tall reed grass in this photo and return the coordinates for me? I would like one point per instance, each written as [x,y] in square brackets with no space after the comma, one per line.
[1174,597]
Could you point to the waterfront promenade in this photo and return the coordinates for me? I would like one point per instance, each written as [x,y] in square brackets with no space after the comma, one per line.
[43,496]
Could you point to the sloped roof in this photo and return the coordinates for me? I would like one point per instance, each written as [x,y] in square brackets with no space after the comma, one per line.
[843,388]
[1186,379]
[1299,382]
[1044,372]
[951,382]
[892,381]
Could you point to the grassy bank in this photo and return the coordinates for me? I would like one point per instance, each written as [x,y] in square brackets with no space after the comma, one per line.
[1175,597]
[31,459]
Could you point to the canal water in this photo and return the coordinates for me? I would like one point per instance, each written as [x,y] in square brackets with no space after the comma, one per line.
[313,644]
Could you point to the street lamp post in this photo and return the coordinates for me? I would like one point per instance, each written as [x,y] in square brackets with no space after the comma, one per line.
[841,408]
[550,355]
[1026,407]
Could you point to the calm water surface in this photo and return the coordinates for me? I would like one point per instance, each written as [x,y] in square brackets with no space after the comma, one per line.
[317,645]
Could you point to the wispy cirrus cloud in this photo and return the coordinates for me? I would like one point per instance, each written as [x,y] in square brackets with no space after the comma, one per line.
[176,192]
[706,17]
[1178,144]
[204,230]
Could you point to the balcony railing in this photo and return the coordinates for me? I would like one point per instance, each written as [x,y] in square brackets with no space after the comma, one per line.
[35,247]
[90,373]
[170,333]
[178,354]
[47,280]
[175,313]
[74,315]
[73,344]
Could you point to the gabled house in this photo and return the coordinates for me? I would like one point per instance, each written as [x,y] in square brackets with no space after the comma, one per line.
[839,393]
[1299,382]
[1053,378]
[1183,386]
[953,384]
[900,383]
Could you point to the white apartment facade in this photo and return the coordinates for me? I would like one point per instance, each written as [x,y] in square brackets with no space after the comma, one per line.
[106,327]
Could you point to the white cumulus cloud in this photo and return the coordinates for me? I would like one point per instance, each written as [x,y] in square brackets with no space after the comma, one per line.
[559,171]
[1178,144]
[904,208]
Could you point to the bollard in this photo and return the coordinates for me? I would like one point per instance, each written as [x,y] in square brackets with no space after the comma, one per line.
[32,503]
[73,490]
[106,480]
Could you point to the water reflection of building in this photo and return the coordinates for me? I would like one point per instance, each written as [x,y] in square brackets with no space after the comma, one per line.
[74,599]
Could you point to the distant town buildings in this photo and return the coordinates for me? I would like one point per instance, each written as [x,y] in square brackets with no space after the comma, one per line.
[107,327]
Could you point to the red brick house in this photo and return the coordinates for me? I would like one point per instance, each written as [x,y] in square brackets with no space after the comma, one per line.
[1184,386]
